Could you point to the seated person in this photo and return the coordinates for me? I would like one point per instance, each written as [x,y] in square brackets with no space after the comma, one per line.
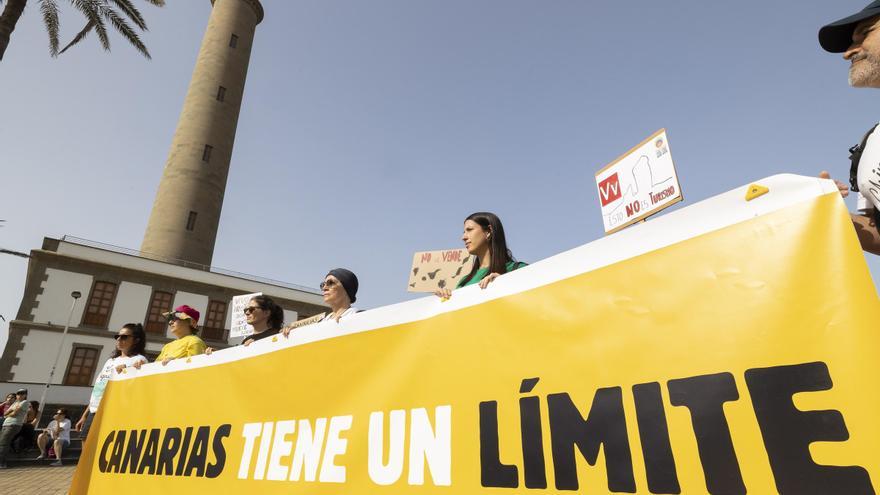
[58,431]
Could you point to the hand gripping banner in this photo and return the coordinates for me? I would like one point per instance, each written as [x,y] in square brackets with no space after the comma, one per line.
[726,348]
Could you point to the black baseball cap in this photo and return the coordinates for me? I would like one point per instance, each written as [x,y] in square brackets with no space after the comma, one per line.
[837,36]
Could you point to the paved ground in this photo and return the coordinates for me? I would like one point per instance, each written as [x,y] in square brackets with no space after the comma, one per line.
[42,480]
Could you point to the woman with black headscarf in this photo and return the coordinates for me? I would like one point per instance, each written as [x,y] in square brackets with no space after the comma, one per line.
[340,288]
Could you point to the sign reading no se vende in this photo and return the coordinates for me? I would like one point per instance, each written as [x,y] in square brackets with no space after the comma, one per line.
[639,183]
[432,270]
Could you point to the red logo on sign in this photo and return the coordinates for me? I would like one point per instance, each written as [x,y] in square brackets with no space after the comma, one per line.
[609,190]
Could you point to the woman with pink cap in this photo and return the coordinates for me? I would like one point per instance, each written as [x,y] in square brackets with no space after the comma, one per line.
[183,322]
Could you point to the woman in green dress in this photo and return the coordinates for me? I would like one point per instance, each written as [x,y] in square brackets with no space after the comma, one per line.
[484,239]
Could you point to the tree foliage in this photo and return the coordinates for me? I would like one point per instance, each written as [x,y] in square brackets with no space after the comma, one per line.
[100,17]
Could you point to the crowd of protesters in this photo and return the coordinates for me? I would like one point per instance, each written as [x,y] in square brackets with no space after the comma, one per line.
[484,239]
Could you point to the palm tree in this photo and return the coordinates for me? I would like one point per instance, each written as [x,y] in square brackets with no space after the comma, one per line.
[98,14]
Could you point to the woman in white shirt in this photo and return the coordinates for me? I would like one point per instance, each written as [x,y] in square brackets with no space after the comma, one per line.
[130,343]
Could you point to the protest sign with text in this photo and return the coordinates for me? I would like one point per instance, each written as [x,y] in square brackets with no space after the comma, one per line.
[638,184]
[432,270]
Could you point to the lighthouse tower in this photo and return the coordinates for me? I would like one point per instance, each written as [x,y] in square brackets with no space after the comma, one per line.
[186,211]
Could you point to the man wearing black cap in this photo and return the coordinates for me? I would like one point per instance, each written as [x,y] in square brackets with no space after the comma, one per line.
[12,425]
[858,38]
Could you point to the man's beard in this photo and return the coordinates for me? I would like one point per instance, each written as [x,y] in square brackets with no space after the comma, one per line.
[865,73]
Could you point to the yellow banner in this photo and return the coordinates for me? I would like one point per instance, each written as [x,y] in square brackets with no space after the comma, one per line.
[742,359]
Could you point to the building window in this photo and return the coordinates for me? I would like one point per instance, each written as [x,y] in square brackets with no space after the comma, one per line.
[215,322]
[233,42]
[221,93]
[206,153]
[160,303]
[100,302]
[81,367]
[191,221]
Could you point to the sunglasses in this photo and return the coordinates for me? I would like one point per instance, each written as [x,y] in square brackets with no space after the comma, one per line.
[121,336]
[328,284]
[172,318]
[250,309]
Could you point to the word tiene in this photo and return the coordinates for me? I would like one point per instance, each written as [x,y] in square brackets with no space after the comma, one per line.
[314,450]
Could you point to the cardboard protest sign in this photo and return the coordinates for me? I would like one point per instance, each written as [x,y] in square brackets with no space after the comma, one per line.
[638,184]
[432,270]
[306,321]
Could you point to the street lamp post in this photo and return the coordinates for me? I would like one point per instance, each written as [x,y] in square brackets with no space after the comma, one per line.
[75,295]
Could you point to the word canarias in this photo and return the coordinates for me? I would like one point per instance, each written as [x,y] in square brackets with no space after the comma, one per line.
[165,452]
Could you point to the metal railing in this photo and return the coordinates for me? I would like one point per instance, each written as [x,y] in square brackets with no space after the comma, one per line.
[186,264]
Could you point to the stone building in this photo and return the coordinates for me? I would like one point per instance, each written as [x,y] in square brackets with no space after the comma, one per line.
[118,286]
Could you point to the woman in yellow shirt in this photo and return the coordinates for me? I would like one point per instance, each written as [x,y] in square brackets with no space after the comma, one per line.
[183,322]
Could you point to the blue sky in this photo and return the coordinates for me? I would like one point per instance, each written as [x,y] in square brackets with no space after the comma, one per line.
[369,130]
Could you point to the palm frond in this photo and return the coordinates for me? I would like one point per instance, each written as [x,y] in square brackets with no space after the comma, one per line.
[131,12]
[79,36]
[120,14]
[49,9]
[91,9]
[125,30]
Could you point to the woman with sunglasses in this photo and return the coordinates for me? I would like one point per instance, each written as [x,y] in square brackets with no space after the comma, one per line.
[183,322]
[340,288]
[265,316]
[484,239]
[130,344]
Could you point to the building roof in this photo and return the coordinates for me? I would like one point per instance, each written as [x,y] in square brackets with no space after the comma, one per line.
[130,258]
